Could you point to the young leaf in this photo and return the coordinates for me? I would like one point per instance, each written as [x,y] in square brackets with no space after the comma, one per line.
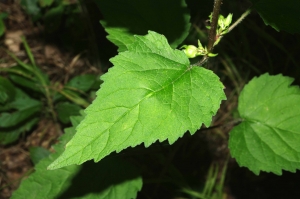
[88,181]
[152,93]
[280,14]
[135,17]
[268,138]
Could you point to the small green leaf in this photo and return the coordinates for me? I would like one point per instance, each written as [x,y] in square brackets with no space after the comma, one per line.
[31,7]
[26,107]
[38,153]
[152,93]
[212,54]
[65,110]
[268,138]
[82,82]
[280,14]
[135,17]
[19,116]
[26,83]
[9,135]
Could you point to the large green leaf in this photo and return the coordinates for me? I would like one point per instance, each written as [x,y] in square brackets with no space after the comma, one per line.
[152,93]
[125,18]
[280,14]
[88,181]
[269,136]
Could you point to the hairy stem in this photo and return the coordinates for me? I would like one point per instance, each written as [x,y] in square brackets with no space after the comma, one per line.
[212,37]
[242,17]
[212,31]
[213,25]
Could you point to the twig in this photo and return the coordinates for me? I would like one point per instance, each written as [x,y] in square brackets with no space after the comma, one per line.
[212,31]
[242,17]
[213,25]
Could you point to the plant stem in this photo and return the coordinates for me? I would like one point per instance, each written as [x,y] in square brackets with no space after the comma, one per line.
[213,25]
[212,31]
[242,17]
[231,123]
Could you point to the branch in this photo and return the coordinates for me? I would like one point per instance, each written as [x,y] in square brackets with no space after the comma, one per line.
[213,25]
[212,31]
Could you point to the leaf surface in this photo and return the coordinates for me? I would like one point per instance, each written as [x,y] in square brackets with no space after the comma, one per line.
[279,14]
[152,93]
[268,138]
[26,107]
[135,17]
[88,181]
[82,82]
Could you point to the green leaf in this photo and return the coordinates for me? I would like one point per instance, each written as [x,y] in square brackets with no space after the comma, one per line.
[21,101]
[31,8]
[86,181]
[268,138]
[280,14]
[26,107]
[45,3]
[19,116]
[152,93]
[9,135]
[38,153]
[135,17]
[82,82]
[26,83]
[65,110]
[7,90]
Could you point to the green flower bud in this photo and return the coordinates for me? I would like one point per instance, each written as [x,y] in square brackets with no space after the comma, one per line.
[190,51]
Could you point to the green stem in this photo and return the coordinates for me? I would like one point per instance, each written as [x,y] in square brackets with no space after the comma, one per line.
[242,17]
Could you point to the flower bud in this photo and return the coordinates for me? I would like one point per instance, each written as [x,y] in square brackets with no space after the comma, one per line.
[190,51]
